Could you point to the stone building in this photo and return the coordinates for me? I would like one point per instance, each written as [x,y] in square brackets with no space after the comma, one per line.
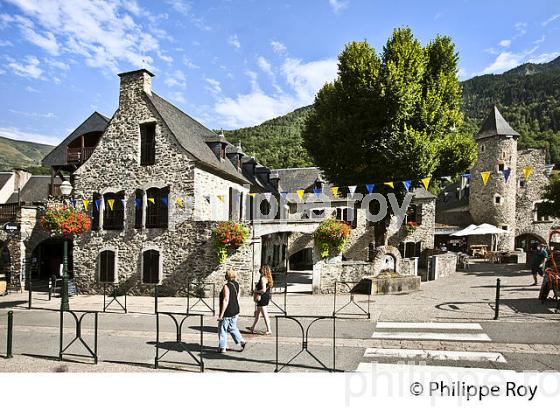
[508,200]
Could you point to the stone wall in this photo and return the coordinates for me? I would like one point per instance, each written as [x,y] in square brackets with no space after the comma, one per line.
[443,265]
[424,232]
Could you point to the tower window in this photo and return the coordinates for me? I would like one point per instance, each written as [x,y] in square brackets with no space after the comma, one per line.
[522,183]
[148,144]
[501,167]
[482,148]
[498,200]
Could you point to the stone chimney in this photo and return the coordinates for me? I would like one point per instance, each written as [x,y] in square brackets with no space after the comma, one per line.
[21,177]
[133,83]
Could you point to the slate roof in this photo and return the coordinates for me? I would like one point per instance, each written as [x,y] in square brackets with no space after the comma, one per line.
[96,122]
[35,190]
[5,177]
[192,136]
[494,125]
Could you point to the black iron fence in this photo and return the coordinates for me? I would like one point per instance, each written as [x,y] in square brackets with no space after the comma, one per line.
[78,316]
[347,291]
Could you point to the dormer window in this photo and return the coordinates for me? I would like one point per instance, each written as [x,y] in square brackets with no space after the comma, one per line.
[222,151]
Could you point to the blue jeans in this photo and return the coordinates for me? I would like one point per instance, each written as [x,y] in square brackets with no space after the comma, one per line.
[225,326]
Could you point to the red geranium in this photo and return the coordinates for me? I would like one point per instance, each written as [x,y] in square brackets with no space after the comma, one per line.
[66,221]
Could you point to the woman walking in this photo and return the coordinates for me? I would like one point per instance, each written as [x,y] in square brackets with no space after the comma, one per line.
[229,311]
[261,296]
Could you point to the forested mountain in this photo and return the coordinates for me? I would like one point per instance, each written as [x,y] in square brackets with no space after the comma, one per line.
[528,97]
[21,154]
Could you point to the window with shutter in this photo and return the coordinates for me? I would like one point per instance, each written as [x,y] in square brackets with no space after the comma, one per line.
[138,208]
[150,266]
[113,212]
[107,267]
[95,211]
[148,144]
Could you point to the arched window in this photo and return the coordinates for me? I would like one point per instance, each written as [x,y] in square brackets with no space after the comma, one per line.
[107,266]
[150,266]
[113,211]
[157,207]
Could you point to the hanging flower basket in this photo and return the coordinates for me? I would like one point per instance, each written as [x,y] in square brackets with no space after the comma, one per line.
[65,221]
[410,227]
[331,236]
[229,236]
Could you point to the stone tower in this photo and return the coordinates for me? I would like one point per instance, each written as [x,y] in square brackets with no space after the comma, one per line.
[495,203]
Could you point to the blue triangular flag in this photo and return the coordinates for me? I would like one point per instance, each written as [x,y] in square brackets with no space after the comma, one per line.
[283,195]
[407,184]
[164,201]
[73,202]
[467,175]
[370,188]
[97,203]
[507,173]
[138,203]
[317,191]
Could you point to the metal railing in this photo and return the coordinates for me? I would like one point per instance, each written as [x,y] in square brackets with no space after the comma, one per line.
[78,316]
[78,155]
[353,288]
[9,213]
[199,292]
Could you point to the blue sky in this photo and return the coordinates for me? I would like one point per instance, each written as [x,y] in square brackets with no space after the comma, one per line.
[230,63]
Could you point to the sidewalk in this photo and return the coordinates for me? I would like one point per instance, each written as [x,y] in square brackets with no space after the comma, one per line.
[464,296]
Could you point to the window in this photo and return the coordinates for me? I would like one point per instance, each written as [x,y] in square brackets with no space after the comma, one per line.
[318,213]
[148,144]
[222,151]
[482,148]
[505,227]
[276,255]
[522,183]
[349,215]
[150,266]
[113,211]
[410,249]
[539,214]
[107,266]
[413,214]
[498,200]
[235,205]
[95,206]
[501,167]
[157,207]
[138,208]
[371,251]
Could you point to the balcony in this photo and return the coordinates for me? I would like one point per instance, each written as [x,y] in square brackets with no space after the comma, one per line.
[8,213]
[78,155]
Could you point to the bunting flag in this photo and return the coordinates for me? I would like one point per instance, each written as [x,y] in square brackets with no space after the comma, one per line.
[252,194]
[221,198]
[485,175]
[152,200]
[165,201]
[352,189]
[73,202]
[370,188]
[391,184]
[138,203]
[317,192]
[123,202]
[507,173]
[97,203]
[86,203]
[300,193]
[283,195]
[527,171]
[267,196]
[111,203]
[179,201]
[426,182]
[334,191]
[467,175]
[407,184]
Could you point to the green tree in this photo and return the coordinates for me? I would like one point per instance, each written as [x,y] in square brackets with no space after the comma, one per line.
[390,117]
[552,194]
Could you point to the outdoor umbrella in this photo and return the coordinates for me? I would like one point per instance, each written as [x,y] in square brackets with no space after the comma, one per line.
[466,231]
[487,229]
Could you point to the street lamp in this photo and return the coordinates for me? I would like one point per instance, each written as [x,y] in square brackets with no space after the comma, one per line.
[65,190]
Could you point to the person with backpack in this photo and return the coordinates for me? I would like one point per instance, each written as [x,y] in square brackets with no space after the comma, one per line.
[229,312]
[261,296]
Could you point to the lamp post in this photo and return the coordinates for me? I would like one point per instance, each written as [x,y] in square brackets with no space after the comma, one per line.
[65,190]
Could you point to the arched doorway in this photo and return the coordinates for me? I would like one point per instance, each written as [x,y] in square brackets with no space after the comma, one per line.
[528,242]
[47,258]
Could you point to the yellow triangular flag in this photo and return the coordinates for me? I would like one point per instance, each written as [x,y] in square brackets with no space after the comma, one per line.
[485,175]
[426,182]
[391,184]
[334,191]
[527,171]
[179,201]
[152,200]
[221,198]
[111,203]
[300,193]
[86,203]
[252,194]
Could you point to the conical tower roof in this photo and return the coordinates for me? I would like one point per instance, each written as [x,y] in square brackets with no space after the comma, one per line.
[495,125]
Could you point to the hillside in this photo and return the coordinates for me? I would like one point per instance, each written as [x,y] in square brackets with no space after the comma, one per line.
[528,97]
[21,154]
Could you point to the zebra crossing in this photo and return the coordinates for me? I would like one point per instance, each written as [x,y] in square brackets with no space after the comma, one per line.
[429,331]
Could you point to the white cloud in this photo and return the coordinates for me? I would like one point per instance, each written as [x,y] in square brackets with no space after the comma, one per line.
[213,86]
[544,58]
[57,64]
[18,134]
[278,47]
[550,20]
[185,8]
[102,32]
[28,68]
[177,79]
[338,5]
[177,97]
[505,43]
[32,114]
[462,73]
[187,62]
[303,79]
[265,66]
[521,29]
[505,61]
[30,89]
[233,41]
[5,43]
[540,40]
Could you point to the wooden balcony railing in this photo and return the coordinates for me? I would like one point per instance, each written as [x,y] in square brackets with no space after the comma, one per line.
[78,155]
[8,213]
